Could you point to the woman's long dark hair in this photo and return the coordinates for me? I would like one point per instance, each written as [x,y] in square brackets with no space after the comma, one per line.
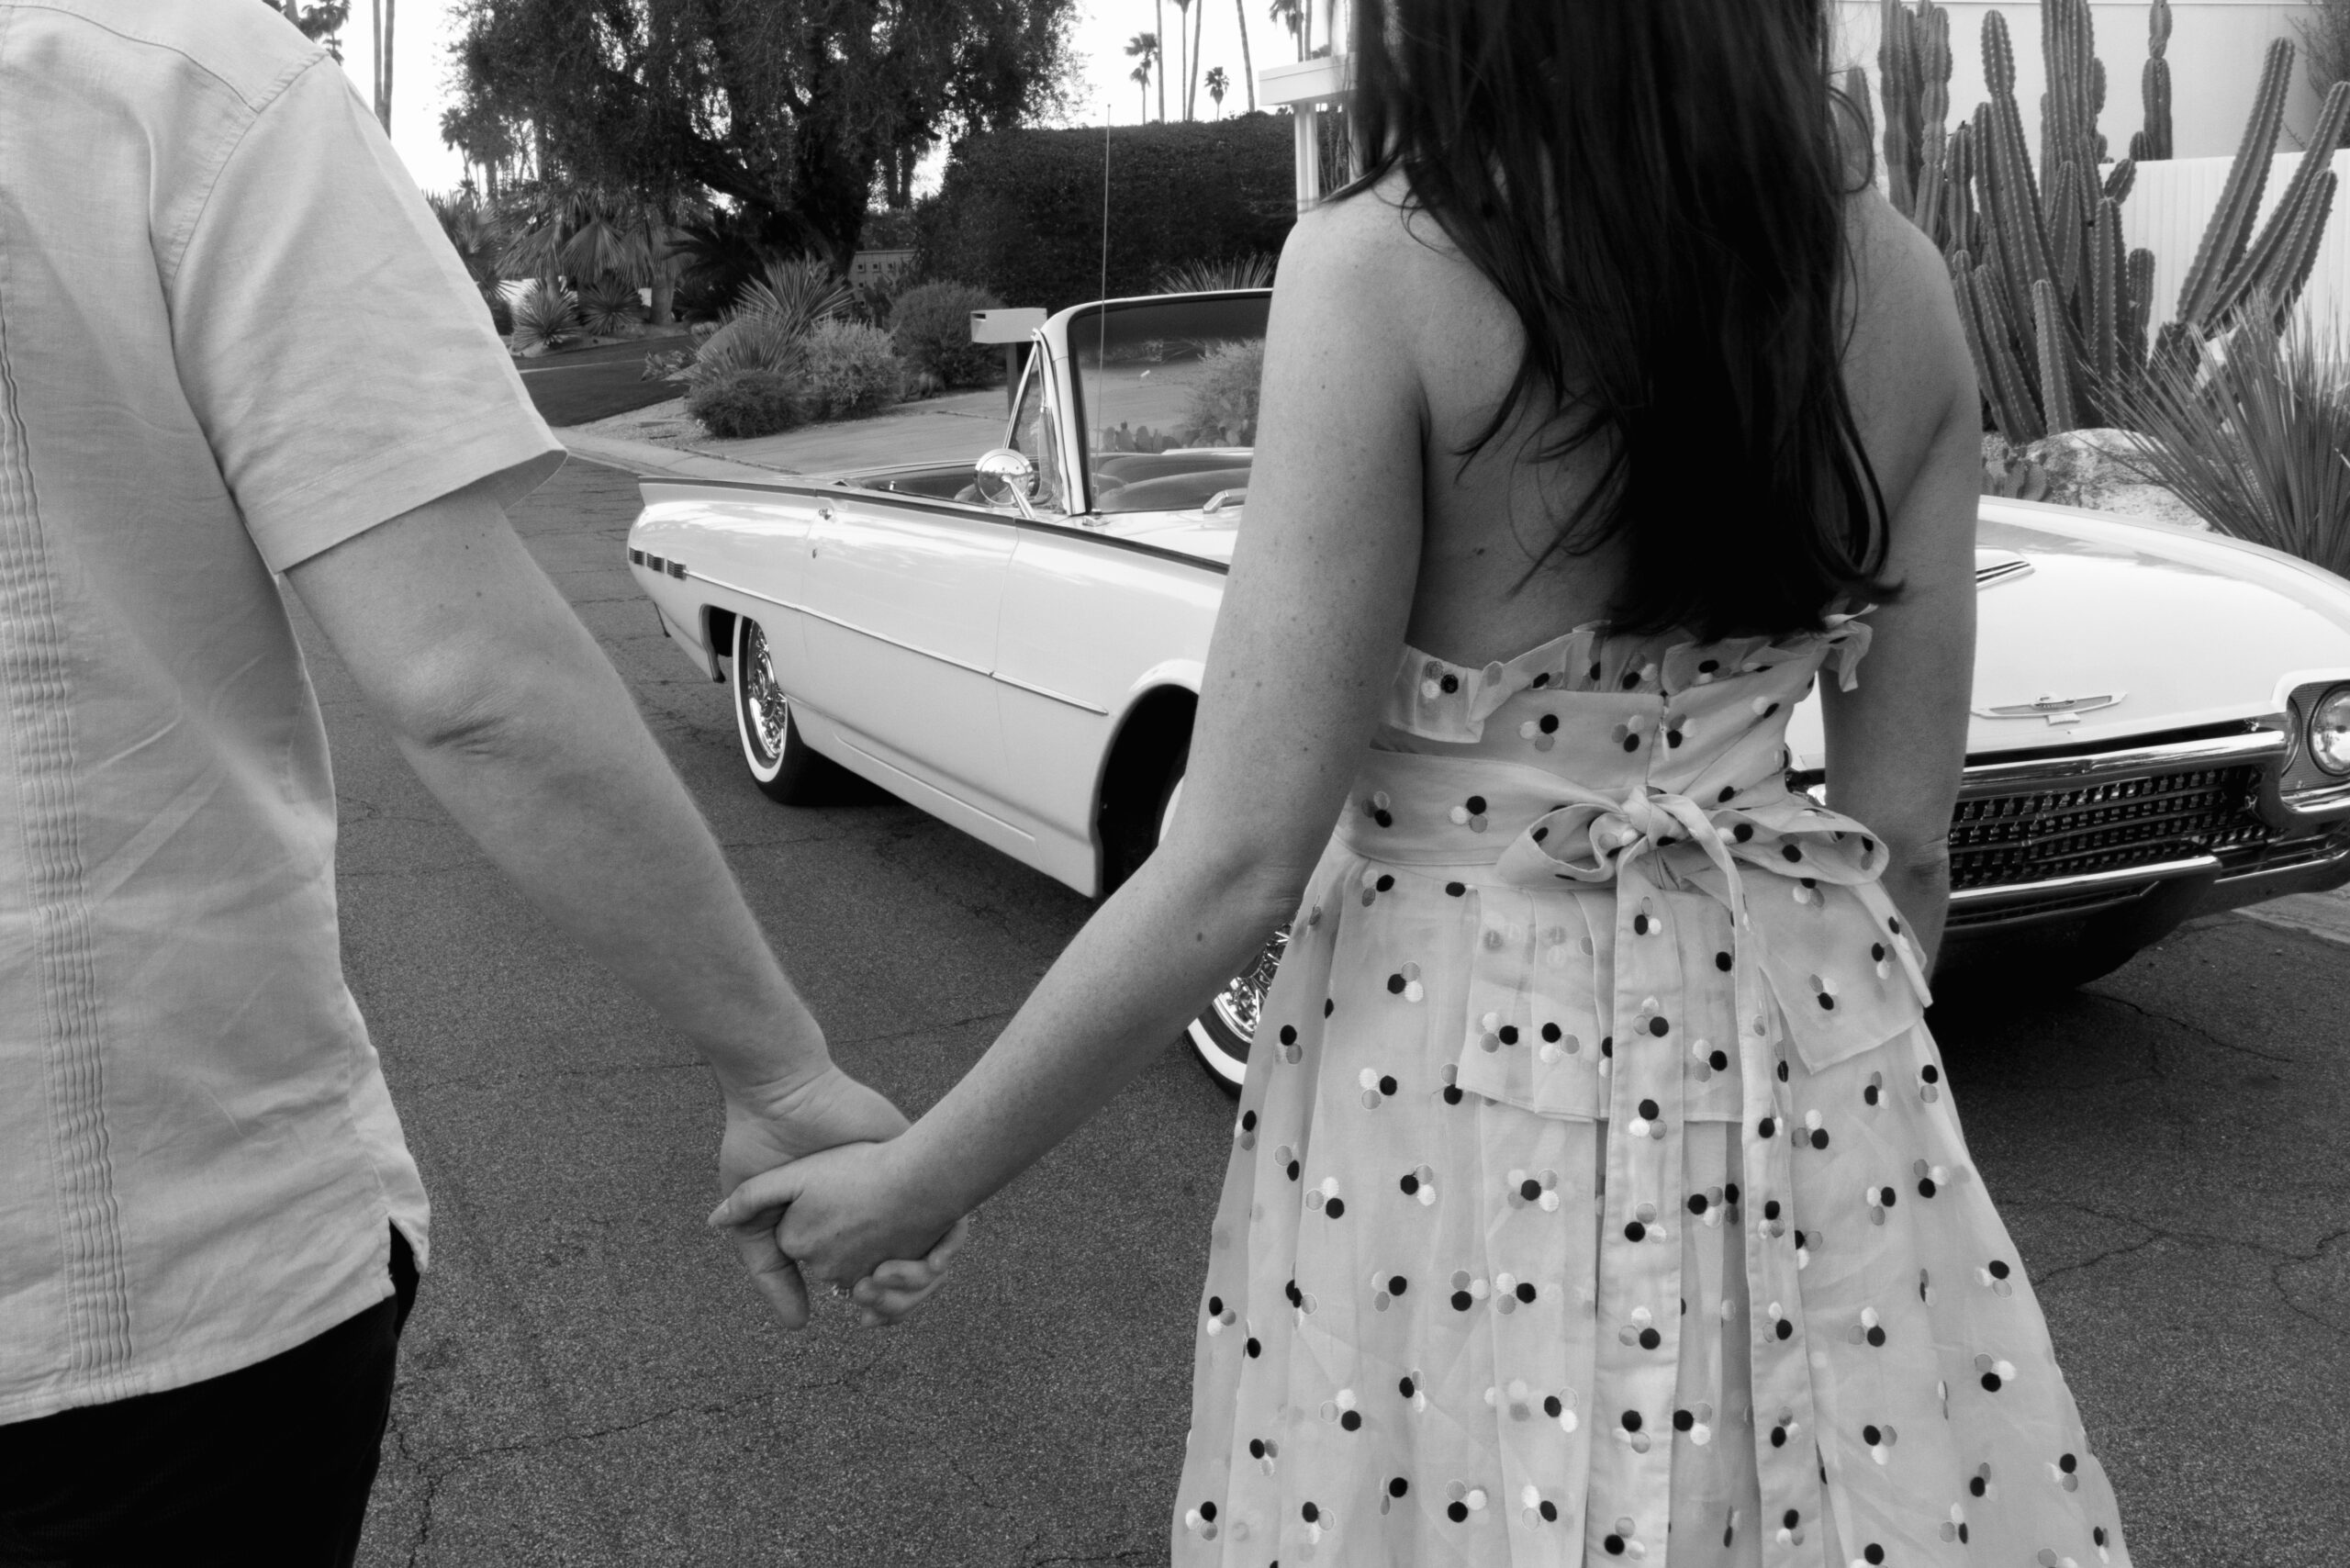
[1658,188]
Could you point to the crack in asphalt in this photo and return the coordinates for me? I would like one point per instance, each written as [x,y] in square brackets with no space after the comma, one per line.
[2284,1295]
[2058,1272]
[2198,1030]
[438,1469]
[2285,1257]
[432,1479]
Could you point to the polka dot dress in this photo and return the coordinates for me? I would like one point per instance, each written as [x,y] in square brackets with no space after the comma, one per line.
[1596,1195]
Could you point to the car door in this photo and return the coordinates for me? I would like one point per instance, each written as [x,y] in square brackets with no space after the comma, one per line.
[902,601]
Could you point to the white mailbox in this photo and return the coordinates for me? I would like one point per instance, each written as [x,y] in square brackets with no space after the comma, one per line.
[1005,326]
[1009,327]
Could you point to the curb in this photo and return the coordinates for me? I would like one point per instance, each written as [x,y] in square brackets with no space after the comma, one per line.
[643,458]
[2325,916]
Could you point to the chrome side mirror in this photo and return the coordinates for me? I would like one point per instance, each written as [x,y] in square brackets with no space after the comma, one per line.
[1007,477]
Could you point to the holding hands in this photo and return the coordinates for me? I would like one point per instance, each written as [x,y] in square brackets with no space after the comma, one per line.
[819,1143]
[845,1216]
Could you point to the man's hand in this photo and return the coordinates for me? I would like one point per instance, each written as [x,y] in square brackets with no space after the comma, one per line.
[773,1127]
[845,1214]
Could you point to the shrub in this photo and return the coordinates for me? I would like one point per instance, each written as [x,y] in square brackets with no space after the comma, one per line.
[738,404]
[501,315]
[676,365]
[851,370]
[795,294]
[1254,270]
[747,342]
[2253,431]
[609,307]
[931,325]
[1221,410]
[546,317]
[1019,212]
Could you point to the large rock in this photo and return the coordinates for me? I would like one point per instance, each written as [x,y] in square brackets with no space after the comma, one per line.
[2100,469]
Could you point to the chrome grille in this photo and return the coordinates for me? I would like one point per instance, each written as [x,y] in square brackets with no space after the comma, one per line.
[2033,835]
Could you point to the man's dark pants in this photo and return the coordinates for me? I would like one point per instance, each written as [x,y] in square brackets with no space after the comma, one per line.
[269,1464]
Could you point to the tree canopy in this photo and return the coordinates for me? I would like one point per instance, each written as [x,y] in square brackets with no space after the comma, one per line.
[794,109]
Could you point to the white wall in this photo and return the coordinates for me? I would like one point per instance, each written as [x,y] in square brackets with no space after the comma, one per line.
[2215,53]
[2173,201]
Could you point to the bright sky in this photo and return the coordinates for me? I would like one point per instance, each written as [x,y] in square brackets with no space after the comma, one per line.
[427,27]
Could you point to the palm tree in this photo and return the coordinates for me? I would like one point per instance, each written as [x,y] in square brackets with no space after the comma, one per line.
[1191,88]
[1218,82]
[384,19]
[584,233]
[1159,6]
[1183,51]
[1290,14]
[1144,47]
[1248,66]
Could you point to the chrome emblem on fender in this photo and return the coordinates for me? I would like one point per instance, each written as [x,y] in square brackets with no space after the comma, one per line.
[2055,710]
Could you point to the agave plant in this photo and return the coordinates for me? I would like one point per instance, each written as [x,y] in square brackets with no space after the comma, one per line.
[609,307]
[546,316]
[749,341]
[1251,270]
[2251,428]
[795,296]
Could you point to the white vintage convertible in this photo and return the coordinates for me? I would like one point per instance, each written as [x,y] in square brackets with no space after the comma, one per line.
[2162,719]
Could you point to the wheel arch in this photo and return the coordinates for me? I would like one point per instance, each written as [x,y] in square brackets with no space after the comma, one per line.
[717,638]
[1154,733]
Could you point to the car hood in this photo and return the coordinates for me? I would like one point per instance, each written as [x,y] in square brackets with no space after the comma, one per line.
[2184,628]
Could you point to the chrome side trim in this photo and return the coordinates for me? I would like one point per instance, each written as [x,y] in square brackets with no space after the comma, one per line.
[1049,693]
[948,659]
[2005,777]
[1045,691]
[2025,893]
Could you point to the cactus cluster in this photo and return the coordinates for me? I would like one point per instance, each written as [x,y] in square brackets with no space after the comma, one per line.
[2056,306]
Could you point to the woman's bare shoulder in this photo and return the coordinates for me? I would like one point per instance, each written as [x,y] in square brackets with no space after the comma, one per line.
[1906,366]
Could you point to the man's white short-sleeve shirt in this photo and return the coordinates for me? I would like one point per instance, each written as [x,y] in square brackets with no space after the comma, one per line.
[231,336]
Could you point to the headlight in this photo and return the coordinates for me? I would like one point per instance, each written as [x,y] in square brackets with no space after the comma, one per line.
[2330,731]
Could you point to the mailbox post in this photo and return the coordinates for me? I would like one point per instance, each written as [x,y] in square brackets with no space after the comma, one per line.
[1009,327]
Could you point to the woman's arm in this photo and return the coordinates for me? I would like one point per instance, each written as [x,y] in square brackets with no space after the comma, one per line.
[1311,626]
[1896,745]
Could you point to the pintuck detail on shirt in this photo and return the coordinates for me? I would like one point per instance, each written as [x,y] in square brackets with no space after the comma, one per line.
[35,682]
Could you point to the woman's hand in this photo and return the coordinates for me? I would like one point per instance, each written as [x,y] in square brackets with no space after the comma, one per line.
[843,1215]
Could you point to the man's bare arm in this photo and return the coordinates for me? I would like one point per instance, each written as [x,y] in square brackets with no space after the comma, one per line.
[517,723]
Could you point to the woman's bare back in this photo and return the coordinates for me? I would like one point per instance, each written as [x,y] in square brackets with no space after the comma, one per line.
[1489,519]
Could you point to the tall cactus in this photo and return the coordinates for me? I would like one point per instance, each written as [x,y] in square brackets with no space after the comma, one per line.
[2058,395]
[2154,88]
[2277,263]
[2230,231]
[1913,70]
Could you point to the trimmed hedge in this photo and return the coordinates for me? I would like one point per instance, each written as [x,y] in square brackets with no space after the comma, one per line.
[1020,211]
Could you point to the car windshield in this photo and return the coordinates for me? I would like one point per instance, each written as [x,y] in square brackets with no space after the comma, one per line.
[1167,400]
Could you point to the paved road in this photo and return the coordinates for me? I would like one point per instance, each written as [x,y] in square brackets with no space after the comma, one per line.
[587,1382]
[580,384]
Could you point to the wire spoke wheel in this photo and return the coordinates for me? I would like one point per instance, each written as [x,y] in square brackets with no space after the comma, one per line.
[785,768]
[767,711]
